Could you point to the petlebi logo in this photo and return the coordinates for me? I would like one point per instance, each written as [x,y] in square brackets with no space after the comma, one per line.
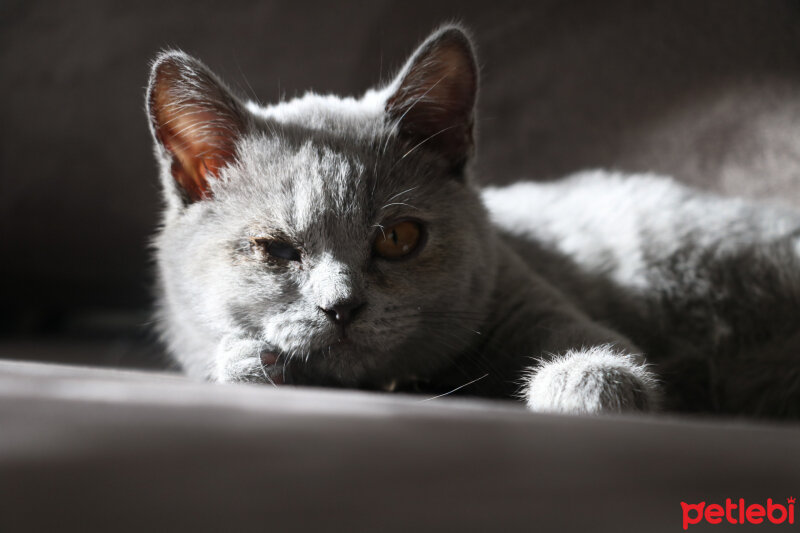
[739,512]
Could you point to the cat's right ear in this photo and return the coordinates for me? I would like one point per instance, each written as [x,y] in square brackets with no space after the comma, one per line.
[195,119]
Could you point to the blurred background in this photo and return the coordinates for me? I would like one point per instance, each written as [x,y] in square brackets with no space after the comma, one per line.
[707,91]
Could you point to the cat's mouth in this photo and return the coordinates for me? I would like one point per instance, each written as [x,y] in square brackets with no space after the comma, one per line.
[279,369]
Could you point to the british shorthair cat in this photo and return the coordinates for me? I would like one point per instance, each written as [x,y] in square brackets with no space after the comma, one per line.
[344,242]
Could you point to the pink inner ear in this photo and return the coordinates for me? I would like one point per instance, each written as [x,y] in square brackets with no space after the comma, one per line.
[199,150]
[196,122]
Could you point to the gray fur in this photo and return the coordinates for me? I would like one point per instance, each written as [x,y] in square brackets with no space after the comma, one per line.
[573,296]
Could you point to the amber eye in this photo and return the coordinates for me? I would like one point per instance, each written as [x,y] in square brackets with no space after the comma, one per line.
[396,242]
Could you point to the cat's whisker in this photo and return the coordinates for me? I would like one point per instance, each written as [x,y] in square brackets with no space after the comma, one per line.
[246,81]
[419,99]
[454,390]
[380,227]
[423,142]
[264,371]
[375,175]
[401,158]
[449,312]
[401,193]
[470,353]
[398,203]
[396,123]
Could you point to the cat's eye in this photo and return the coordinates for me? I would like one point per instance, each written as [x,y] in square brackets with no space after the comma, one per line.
[277,249]
[399,240]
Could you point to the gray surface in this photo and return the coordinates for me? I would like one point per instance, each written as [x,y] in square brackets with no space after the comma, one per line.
[98,450]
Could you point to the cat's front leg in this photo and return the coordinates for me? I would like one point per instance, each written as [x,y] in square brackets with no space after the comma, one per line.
[583,366]
[592,380]
[238,359]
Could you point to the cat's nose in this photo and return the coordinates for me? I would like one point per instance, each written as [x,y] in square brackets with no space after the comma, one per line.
[343,313]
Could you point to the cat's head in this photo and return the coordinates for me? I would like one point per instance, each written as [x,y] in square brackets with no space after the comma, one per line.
[343,234]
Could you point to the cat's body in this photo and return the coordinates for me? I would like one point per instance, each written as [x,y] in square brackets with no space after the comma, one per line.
[707,287]
[340,242]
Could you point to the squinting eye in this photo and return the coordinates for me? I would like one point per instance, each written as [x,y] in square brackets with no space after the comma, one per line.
[278,249]
[396,242]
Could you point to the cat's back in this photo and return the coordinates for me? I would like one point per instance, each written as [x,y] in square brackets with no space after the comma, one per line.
[619,224]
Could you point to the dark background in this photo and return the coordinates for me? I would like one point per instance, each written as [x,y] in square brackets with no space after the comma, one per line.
[708,91]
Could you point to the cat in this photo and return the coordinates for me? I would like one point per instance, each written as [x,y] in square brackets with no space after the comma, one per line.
[343,242]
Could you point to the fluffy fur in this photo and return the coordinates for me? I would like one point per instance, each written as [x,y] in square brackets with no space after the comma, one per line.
[598,293]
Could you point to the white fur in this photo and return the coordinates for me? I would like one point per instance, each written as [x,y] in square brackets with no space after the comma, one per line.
[606,220]
[591,381]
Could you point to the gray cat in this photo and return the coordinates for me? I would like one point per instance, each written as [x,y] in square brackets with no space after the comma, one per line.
[342,242]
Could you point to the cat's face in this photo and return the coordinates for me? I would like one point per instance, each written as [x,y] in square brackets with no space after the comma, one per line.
[341,233]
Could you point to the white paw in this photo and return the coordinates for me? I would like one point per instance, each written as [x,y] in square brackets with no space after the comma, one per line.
[238,360]
[593,380]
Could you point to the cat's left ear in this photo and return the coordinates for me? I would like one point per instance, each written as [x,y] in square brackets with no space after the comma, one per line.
[433,98]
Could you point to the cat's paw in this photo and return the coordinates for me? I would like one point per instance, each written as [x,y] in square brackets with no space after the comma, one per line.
[239,360]
[591,381]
